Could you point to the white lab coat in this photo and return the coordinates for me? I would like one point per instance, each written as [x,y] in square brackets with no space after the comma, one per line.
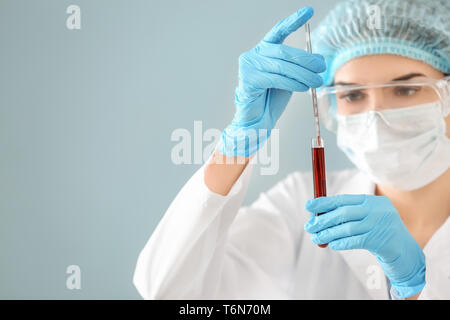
[208,246]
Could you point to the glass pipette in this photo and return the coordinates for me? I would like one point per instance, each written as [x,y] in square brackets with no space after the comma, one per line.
[317,145]
[313,90]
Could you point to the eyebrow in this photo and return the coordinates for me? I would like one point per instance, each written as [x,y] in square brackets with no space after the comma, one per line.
[402,78]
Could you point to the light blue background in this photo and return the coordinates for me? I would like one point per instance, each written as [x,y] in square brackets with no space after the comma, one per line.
[85,123]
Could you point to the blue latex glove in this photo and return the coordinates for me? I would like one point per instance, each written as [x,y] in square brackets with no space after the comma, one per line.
[268,74]
[372,223]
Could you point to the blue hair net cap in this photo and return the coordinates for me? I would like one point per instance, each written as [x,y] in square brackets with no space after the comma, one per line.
[417,29]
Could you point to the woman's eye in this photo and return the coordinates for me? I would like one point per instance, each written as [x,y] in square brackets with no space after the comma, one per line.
[405,91]
[352,96]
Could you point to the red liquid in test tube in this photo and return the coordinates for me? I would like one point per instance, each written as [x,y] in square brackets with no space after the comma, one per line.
[318,164]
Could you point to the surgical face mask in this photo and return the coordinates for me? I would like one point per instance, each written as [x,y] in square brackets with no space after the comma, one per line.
[404,148]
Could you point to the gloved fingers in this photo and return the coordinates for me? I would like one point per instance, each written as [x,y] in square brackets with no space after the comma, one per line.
[263,79]
[246,93]
[288,25]
[344,230]
[335,217]
[284,68]
[312,61]
[326,204]
[348,243]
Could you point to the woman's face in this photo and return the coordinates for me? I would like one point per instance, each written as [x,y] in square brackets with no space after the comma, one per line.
[384,68]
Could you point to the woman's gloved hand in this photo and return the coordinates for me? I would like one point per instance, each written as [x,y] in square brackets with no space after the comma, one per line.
[268,74]
[372,223]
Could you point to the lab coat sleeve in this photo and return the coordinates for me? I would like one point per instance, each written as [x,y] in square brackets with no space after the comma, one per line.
[209,247]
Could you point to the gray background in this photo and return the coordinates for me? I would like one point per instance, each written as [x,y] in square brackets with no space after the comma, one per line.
[85,123]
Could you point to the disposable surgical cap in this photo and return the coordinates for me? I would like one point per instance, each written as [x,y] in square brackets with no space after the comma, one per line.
[417,29]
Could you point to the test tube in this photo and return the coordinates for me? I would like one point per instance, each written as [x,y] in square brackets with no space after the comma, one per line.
[317,145]
[318,165]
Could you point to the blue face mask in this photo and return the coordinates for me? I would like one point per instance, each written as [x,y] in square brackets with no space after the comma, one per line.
[404,148]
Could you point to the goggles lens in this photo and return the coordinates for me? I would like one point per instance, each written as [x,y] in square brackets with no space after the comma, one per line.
[347,100]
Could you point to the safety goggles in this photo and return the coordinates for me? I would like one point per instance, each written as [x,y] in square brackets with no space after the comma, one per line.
[353,100]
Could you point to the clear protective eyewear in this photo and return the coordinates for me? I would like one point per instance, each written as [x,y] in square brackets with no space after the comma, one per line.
[354,100]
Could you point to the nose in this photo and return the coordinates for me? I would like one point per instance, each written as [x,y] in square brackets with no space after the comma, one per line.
[376,102]
[376,99]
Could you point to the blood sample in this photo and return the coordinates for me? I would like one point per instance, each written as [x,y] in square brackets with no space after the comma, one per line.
[318,165]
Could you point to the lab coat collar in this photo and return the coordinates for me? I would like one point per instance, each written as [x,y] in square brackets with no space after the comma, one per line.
[438,246]
[363,263]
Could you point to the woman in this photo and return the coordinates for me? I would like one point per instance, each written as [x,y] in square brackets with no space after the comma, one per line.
[385,92]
